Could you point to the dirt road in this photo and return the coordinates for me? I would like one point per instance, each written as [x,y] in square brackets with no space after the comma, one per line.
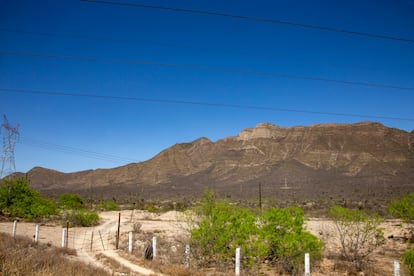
[91,243]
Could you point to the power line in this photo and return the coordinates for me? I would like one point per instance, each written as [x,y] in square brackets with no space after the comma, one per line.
[252,18]
[76,151]
[134,41]
[208,68]
[210,104]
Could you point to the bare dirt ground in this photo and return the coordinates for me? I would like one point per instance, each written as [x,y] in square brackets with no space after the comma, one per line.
[96,245]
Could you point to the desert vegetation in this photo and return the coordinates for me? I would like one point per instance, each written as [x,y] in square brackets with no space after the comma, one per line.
[272,238]
[22,256]
[359,233]
[17,199]
[404,209]
[275,235]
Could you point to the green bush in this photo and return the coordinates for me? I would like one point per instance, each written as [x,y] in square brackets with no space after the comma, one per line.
[71,202]
[277,235]
[408,258]
[82,217]
[17,199]
[109,205]
[283,232]
[403,208]
[226,228]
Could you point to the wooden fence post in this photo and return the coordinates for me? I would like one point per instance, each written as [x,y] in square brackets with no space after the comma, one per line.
[100,236]
[119,229]
[91,240]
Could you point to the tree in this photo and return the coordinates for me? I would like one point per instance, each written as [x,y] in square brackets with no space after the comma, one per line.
[17,199]
[358,232]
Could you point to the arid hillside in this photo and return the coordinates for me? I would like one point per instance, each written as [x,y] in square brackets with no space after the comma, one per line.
[356,161]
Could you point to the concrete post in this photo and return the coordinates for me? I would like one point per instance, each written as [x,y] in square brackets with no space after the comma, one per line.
[187,256]
[64,237]
[237,269]
[130,242]
[154,247]
[37,233]
[307,265]
[14,228]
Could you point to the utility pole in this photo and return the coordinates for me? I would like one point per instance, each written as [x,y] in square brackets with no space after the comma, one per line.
[260,195]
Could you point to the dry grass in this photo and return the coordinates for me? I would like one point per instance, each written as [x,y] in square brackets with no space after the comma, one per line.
[21,256]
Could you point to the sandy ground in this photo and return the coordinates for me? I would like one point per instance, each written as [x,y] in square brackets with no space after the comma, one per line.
[92,241]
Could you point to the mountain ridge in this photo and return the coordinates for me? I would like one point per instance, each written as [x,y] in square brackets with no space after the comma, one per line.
[323,159]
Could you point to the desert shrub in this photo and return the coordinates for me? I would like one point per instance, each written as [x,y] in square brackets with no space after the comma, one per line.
[403,208]
[81,217]
[286,239]
[408,258]
[17,199]
[277,235]
[226,228]
[136,227]
[207,203]
[71,201]
[358,232]
[21,256]
[150,207]
[109,205]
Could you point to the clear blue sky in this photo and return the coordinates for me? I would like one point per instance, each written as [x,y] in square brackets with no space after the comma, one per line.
[56,131]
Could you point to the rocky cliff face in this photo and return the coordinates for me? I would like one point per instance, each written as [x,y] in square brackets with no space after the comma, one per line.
[316,161]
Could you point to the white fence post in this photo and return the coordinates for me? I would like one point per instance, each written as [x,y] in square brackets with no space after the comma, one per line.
[307,265]
[154,247]
[396,268]
[130,241]
[237,269]
[37,233]
[187,256]
[14,228]
[63,237]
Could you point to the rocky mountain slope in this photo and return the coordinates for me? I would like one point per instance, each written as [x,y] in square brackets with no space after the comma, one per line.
[328,160]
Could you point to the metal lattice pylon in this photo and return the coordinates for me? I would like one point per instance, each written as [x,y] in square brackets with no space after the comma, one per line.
[10,136]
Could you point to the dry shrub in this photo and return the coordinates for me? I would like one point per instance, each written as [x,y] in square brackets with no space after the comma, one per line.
[21,256]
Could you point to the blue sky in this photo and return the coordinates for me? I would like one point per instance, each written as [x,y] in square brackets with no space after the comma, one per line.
[104,47]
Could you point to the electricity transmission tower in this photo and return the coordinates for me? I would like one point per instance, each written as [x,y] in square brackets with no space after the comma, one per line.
[10,136]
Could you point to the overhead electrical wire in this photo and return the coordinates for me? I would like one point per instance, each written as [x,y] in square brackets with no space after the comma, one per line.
[207,68]
[210,104]
[76,151]
[252,18]
[181,46]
